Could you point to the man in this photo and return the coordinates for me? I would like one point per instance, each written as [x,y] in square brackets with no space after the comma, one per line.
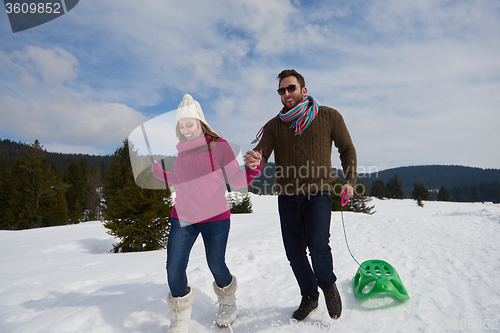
[301,136]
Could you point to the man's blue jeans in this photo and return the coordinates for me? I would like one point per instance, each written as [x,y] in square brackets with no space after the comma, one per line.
[180,242]
[305,223]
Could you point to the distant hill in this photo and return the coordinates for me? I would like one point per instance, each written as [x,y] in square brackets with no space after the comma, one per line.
[14,150]
[434,176]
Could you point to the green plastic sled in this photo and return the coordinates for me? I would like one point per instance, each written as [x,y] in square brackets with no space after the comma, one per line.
[385,277]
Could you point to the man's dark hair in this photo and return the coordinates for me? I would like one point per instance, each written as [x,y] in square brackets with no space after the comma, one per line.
[292,72]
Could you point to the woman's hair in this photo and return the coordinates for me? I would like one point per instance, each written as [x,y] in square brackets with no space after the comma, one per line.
[205,129]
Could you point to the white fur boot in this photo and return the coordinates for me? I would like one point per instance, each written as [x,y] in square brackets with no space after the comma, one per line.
[227,303]
[181,312]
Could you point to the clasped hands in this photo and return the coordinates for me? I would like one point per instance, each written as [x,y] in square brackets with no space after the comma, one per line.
[253,158]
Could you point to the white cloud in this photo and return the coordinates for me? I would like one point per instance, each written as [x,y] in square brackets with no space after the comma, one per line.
[53,66]
[48,109]
[66,118]
[224,107]
[433,19]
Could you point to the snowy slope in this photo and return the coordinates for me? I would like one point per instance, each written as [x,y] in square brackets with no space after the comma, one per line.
[64,279]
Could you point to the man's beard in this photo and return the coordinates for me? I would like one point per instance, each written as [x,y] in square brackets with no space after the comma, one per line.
[301,97]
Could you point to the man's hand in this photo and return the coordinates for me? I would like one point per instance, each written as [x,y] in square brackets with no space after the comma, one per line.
[349,191]
[253,158]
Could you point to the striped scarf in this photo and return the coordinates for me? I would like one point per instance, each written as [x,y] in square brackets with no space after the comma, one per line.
[301,116]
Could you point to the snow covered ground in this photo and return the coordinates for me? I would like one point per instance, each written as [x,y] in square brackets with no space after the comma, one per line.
[64,279]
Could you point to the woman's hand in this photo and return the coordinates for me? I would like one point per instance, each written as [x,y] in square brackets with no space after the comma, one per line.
[157,170]
[253,158]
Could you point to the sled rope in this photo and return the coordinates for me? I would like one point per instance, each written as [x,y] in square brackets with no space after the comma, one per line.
[342,204]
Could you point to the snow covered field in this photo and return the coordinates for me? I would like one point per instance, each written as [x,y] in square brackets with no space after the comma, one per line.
[64,279]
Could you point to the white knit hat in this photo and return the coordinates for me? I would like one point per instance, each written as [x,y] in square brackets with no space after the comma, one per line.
[189,108]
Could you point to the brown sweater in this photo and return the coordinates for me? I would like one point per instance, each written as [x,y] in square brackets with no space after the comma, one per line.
[303,163]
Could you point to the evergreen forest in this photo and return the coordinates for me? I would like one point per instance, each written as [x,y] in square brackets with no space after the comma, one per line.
[35,192]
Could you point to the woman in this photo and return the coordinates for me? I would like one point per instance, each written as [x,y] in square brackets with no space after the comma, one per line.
[200,207]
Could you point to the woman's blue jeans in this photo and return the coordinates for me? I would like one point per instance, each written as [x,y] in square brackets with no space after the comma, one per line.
[180,242]
[305,223]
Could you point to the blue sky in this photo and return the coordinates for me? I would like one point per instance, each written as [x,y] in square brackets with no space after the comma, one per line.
[417,82]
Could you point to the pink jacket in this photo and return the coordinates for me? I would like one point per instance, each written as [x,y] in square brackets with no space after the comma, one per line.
[198,176]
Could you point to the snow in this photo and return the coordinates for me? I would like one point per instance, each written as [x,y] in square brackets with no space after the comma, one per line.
[64,279]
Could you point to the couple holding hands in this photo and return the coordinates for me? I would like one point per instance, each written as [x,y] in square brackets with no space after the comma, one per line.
[301,136]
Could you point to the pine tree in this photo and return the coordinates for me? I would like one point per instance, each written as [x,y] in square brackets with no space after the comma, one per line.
[138,217]
[37,194]
[54,208]
[395,188]
[94,194]
[420,193]
[118,171]
[22,199]
[444,194]
[75,196]
[359,202]
[378,189]
[240,205]
[6,218]
[478,194]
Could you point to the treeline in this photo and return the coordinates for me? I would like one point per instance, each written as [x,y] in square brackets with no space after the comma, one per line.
[394,190]
[435,177]
[484,192]
[34,193]
[12,151]
[476,193]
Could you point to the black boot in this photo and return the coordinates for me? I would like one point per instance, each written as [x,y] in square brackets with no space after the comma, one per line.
[307,305]
[333,302]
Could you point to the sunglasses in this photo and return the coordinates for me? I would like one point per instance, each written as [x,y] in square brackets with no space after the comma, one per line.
[291,88]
